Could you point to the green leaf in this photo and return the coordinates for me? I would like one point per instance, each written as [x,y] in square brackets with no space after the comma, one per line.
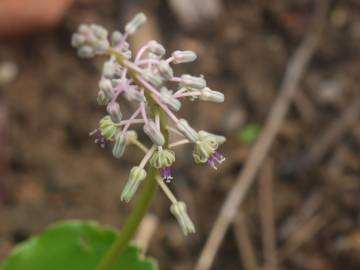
[72,245]
[249,133]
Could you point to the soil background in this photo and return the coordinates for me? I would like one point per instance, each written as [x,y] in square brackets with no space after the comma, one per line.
[50,170]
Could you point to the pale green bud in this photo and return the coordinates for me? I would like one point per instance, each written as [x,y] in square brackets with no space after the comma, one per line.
[113,109]
[86,52]
[108,70]
[136,176]
[178,209]
[116,37]
[156,48]
[102,99]
[165,70]
[183,56]
[162,159]
[209,95]
[152,78]
[168,98]
[192,82]
[105,85]
[119,145]
[132,26]
[154,133]
[184,127]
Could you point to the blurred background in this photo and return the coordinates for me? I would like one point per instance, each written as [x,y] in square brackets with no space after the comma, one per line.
[50,170]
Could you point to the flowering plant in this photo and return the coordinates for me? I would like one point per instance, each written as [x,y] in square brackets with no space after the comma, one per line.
[146,82]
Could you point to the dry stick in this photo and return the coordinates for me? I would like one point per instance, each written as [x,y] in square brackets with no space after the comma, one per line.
[267,216]
[308,209]
[294,71]
[305,233]
[337,129]
[243,241]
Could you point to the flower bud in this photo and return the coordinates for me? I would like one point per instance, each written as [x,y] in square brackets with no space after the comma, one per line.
[165,70]
[167,97]
[113,109]
[119,145]
[86,52]
[156,48]
[101,98]
[192,81]
[136,176]
[152,78]
[184,127]
[132,26]
[183,56]
[209,95]
[77,40]
[133,95]
[178,209]
[107,127]
[116,37]
[108,70]
[99,31]
[154,133]
[105,85]
[162,159]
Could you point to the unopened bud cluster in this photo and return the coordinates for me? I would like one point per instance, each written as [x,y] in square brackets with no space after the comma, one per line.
[148,80]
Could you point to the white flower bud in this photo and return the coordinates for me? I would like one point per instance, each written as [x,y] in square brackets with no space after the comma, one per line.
[119,145]
[136,176]
[86,52]
[116,37]
[209,95]
[133,95]
[178,209]
[192,81]
[167,97]
[102,98]
[108,69]
[152,78]
[132,26]
[154,133]
[99,31]
[83,29]
[165,70]
[113,109]
[105,85]
[156,48]
[77,40]
[184,127]
[183,56]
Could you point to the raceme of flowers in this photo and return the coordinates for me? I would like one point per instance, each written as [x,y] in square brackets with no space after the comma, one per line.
[147,80]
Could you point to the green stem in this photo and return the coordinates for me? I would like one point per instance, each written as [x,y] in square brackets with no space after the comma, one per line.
[109,261]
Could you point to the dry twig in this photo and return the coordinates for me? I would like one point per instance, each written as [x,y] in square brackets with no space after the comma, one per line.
[267,216]
[294,72]
[329,138]
[245,246]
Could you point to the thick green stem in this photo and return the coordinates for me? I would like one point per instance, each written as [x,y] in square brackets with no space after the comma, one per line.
[109,261]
